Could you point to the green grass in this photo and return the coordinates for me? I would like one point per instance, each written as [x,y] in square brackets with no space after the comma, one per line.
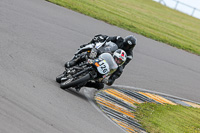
[144,17]
[157,118]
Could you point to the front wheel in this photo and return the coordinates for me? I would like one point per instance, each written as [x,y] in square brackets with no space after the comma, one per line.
[69,83]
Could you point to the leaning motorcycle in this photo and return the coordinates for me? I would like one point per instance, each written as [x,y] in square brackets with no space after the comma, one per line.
[91,68]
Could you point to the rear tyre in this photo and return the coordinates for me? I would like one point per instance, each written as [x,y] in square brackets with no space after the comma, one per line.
[67,84]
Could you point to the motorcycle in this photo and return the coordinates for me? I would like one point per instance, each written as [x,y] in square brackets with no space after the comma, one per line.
[92,68]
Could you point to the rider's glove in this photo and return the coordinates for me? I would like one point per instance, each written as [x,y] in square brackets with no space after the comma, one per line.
[98,38]
[110,82]
[93,53]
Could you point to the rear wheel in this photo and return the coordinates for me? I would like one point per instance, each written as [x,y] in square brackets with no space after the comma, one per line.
[69,83]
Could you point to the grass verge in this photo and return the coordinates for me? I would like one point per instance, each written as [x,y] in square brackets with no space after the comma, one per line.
[144,17]
[158,118]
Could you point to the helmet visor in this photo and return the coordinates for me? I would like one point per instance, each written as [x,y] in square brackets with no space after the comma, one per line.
[118,60]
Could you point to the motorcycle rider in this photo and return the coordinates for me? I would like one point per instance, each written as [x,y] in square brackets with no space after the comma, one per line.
[127,44]
[119,57]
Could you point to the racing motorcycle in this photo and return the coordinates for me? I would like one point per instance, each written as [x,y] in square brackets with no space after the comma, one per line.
[91,68]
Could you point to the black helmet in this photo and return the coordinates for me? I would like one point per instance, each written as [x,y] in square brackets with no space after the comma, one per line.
[129,42]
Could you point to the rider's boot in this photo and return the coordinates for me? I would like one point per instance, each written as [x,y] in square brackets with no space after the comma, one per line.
[74,61]
[70,63]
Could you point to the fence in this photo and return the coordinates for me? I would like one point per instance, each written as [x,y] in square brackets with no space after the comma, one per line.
[180,6]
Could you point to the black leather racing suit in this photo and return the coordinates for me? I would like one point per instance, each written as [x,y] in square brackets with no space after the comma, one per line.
[119,41]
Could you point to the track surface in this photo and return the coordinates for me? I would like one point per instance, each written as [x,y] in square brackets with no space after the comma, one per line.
[37,37]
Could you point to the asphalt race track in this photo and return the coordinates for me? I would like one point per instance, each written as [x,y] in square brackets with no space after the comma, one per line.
[37,37]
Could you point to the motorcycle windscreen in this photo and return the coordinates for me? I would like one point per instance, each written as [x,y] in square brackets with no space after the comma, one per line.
[110,60]
[109,47]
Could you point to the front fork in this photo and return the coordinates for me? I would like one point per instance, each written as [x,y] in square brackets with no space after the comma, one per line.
[81,72]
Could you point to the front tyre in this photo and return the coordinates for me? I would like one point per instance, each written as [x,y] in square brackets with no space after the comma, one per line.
[68,83]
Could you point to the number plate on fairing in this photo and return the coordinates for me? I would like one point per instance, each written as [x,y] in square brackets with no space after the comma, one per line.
[103,67]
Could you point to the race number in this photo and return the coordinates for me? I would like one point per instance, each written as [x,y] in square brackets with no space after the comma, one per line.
[103,67]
